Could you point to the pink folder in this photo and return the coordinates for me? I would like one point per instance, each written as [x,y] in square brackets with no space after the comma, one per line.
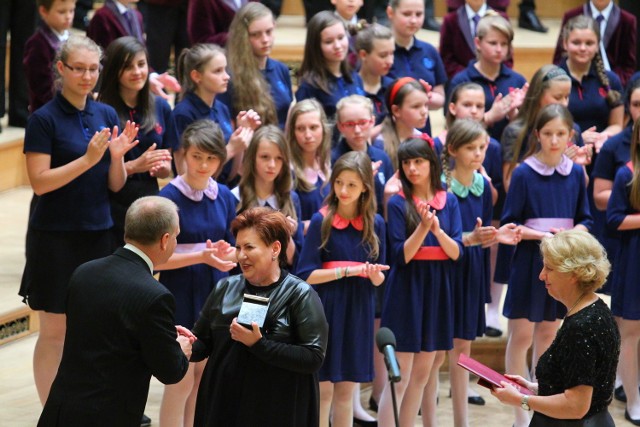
[487,377]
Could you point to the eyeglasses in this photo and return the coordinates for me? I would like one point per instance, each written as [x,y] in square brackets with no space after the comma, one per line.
[352,125]
[79,71]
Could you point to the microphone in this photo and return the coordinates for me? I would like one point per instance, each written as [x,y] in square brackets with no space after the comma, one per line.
[386,342]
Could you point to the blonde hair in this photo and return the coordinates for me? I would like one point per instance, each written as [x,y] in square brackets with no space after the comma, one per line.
[357,100]
[360,163]
[73,43]
[579,253]
[323,153]
[493,21]
[250,89]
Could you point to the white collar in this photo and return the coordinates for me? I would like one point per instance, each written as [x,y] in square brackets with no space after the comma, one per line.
[272,200]
[481,12]
[63,36]
[141,254]
[606,12]
[121,8]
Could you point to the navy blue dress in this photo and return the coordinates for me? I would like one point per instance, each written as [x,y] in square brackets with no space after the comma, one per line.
[472,279]
[349,303]
[339,88]
[625,293]
[207,218]
[557,195]
[418,304]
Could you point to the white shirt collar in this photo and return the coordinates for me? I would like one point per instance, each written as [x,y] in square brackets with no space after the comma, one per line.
[606,12]
[121,8]
[481,12]
[272,200]
[141,254]
[63,36]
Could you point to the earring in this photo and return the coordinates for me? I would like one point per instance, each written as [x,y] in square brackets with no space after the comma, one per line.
[273,258]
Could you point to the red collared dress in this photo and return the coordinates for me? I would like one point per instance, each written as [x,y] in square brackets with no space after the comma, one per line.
[349,303]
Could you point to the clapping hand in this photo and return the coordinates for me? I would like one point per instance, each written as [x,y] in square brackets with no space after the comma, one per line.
[509,234]
[482,235]
[579,155]
[217,255]
[97,146]
[240,139]
[122,143]
[249,119]
[374,272]
[292,224]
[427,216]
[156,162]
[592,137]
[158,82]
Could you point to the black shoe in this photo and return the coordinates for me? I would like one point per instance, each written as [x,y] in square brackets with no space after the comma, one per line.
[530,21]
[492,332]
[363,423]
[373,405]
[431,24]
[475,400]
[619,394]
[635,422]
[145,422]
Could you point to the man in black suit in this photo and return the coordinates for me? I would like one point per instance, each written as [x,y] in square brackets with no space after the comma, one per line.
[120,328]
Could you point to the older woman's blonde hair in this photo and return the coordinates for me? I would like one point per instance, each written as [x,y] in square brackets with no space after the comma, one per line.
[579,253]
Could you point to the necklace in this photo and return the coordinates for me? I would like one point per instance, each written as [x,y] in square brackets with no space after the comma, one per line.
[575,304]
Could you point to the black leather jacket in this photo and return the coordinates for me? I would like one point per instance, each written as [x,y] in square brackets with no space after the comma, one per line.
[294,336]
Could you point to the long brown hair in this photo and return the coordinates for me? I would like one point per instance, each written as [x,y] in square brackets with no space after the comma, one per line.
[634,197]
[314,68]
[360,163]
[282,184]
[194,58]
[250,89]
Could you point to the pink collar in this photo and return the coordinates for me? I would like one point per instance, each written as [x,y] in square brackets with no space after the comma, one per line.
[341,223]
[438,202]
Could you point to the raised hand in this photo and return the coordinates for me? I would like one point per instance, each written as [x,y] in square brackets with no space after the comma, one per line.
[158,82]
[482,235]
[375,167]
[249,119]
[427,216]
[393,185]
[122,143]
[293,225]
[152,161]
[240,139]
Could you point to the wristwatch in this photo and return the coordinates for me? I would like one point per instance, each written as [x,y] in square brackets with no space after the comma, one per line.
[524,403]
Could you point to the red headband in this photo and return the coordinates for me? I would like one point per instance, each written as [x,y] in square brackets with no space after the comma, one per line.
[403,81]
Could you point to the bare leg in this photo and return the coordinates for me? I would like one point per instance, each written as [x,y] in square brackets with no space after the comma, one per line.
[190,405]
[630,337]
[343,404]
[420,371]
[379,368]
[48,351]
[174,400]
[459,382]
[326,396]
[385,408]
[518,342]
[429,403]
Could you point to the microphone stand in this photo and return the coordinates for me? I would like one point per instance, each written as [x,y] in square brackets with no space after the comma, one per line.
[394,400]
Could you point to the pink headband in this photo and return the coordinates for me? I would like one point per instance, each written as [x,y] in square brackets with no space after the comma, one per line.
[403,81]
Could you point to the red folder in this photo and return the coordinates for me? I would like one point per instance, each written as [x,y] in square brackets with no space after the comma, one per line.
[487,377]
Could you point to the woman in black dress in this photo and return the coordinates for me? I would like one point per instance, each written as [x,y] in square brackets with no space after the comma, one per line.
[265,375]
[576,374]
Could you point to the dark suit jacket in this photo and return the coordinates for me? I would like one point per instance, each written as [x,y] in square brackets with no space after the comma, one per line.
[106,26]
[457,47]
[120,331]
[619,40]
[39,56]
[208,21]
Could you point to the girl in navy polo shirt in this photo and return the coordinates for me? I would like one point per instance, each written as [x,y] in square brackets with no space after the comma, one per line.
[253,73]
[375,49]
[595,93]
[415,58]
[504,89]
[266,181]
[325,73]
[203,75]
[66,145]
[309,139]
[125,86]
